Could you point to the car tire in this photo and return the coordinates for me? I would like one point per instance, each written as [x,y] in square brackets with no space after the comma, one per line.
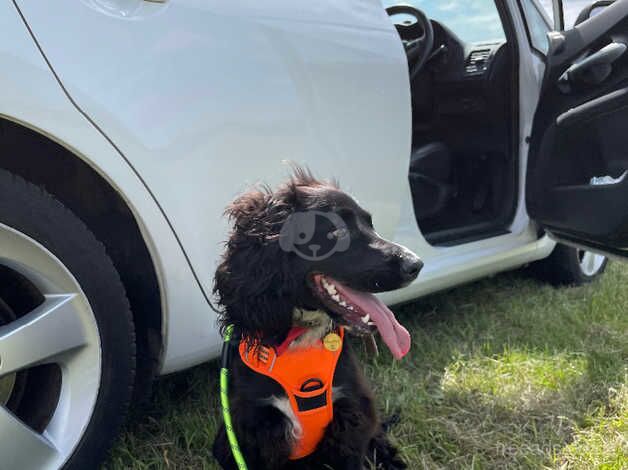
[64,291]
[570,266]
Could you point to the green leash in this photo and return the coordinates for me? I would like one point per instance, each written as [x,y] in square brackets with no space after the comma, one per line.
[224,400]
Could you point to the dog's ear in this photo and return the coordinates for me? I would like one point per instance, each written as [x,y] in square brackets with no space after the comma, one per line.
[255,285]
[255,281]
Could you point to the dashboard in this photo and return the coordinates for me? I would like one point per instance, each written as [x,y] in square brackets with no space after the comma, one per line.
[453,83]
[459,79]
[454,60]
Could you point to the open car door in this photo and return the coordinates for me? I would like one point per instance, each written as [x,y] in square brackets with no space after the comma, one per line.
[577,181]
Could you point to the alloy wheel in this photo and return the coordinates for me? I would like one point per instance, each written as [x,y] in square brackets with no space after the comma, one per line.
[50,356]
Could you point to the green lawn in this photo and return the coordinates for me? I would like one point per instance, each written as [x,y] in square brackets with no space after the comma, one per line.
[503,373]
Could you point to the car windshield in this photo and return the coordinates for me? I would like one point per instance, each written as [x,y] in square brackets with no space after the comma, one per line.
[473,21]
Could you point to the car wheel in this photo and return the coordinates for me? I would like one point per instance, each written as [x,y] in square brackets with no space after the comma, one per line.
[570,266]
[67,344]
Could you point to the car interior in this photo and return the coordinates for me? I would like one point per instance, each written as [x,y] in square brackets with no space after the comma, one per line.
[463,164]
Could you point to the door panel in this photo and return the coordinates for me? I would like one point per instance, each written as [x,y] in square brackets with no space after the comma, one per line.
[577,188]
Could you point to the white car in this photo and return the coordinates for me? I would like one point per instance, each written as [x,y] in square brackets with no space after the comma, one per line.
[126,126]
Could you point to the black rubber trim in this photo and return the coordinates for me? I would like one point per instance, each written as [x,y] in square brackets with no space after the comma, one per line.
[594,246]
[510,31]
[468,234]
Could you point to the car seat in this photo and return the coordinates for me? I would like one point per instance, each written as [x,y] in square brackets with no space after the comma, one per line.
[430,179]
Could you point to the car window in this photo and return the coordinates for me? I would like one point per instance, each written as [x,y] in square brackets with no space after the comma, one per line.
[539,24]
[473,21]
[540,18]
[571,10]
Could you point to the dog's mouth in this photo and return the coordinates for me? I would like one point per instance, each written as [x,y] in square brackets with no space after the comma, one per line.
[362,312]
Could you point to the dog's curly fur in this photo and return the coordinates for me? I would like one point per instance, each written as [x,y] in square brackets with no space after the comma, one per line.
[260,287]
[256,283]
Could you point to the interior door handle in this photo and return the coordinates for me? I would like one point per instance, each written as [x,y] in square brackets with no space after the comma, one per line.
[593,69]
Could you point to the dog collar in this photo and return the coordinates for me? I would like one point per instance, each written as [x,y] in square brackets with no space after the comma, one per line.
[294,333]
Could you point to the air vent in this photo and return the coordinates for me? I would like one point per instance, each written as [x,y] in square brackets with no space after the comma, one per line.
[477,62]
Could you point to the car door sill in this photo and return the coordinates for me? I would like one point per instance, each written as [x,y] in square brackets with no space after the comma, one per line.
[454,237]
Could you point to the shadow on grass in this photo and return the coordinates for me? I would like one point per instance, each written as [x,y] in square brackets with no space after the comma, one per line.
[508,369]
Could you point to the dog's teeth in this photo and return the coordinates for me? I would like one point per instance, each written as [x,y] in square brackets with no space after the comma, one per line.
[350,307]
[366,318]
[343,303]
[371,323]
[336,297]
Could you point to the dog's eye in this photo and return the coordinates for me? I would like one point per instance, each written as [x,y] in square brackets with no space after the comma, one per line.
[338,234]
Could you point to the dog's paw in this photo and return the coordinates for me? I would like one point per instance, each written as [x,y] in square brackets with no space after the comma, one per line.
[394,463]
[383,455]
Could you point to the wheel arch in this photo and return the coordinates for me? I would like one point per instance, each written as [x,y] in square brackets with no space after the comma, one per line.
[65,175]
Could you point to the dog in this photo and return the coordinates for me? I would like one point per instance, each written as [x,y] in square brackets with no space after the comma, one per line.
[299,270]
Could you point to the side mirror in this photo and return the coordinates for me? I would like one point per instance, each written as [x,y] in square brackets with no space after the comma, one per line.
[592,10]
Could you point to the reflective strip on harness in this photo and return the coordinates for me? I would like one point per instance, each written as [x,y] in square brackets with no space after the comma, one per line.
[306,375]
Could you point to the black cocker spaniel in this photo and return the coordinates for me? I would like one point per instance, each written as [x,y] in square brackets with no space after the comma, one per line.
[299,271]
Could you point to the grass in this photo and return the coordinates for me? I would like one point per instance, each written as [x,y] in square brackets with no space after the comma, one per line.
[503,373]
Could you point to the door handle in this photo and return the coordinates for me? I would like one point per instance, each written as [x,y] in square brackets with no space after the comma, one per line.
[593,69]
[127,9]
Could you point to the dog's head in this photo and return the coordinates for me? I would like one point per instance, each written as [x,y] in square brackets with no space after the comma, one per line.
[309,246]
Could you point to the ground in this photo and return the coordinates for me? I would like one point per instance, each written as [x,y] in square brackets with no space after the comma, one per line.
[503,373]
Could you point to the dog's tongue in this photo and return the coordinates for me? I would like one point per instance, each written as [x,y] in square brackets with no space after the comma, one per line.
[393,333]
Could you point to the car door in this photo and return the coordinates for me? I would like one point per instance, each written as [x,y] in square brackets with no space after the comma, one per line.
[577,178]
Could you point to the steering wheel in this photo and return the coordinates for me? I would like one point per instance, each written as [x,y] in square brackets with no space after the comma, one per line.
[418,37]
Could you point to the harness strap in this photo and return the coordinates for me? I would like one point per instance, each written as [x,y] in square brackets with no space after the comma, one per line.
[306,375]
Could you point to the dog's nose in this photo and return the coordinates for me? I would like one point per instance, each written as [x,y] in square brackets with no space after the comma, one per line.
[410,267]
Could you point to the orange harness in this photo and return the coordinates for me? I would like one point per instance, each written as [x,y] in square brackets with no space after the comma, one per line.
[306,375]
